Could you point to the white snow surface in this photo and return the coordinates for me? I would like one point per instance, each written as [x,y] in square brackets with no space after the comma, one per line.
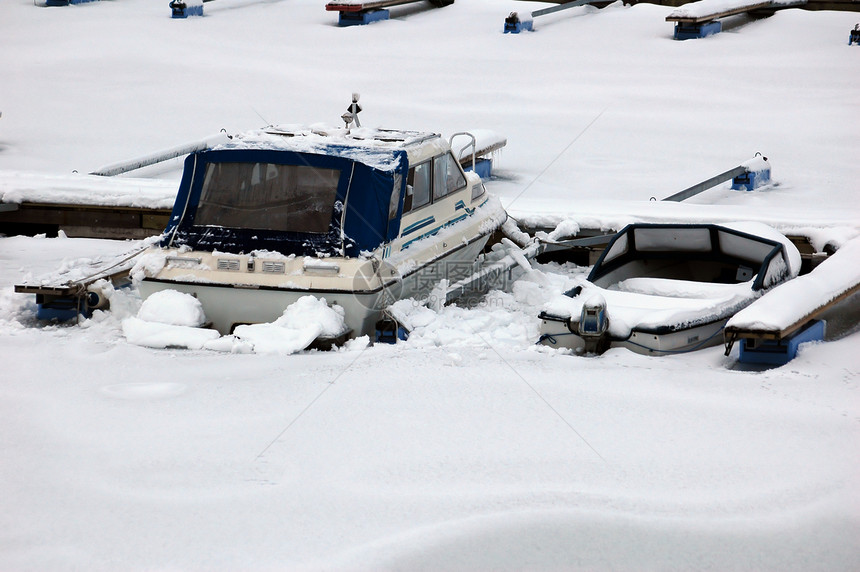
[465,447]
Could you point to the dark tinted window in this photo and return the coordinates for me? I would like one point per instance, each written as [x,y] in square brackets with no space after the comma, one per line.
[268,196]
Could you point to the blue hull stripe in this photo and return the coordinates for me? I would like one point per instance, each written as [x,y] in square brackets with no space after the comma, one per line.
[434,231]
[418,225]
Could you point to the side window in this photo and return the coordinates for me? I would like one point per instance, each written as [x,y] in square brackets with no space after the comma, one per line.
[419,180]
[440,176]
[455,178]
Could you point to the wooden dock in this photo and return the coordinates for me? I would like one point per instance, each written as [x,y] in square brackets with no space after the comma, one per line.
[82,221]
[365,6]
[835,5]
[830,291]
[720,13]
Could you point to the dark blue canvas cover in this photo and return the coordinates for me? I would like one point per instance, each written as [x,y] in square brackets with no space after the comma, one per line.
[364,191]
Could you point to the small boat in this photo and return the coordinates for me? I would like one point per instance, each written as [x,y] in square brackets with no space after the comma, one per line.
[667,288]
[361,217]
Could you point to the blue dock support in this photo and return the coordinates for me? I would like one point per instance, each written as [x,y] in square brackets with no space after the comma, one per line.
[388,331]
[362,18]
[181,9]
[689,31]
[780,352]
[483,167]
[513,24]
[751,180]
[59,309]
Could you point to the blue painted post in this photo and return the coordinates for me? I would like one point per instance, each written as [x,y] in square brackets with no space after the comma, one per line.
[362,18]
[483,167]
[513,24]
[757,174]
[751,180]
[854,35]
[689,31]
[780,352]
[183,9]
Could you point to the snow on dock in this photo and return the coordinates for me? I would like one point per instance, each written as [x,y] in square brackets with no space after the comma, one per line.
[793,304]
[705,10]
[84,205]
[18,187]
[822,225]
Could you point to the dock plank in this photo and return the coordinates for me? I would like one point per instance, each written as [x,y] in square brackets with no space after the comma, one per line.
[790,306]
[707,10]
[362,6]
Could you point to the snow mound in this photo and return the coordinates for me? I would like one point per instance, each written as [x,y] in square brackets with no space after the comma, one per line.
[305,320]
[174,308]
[169,319]
[158,335]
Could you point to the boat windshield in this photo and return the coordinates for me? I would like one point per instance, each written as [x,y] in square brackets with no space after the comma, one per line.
[268,196]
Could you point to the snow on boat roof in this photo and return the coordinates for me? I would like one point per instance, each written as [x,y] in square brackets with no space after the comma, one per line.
[375,147]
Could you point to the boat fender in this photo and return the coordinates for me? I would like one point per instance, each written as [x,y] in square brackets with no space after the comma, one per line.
[96,298]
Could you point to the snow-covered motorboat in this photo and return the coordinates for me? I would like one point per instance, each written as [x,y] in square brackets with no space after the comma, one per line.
[361,217]
[667,288]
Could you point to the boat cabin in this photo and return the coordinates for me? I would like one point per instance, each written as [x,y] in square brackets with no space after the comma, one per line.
[311,192]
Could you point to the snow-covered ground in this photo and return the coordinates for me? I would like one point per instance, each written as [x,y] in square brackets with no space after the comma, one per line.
[466,447]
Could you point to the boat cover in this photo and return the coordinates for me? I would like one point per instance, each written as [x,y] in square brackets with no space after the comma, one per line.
[332,201]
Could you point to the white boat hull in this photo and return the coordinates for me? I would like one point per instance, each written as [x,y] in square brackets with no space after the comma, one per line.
[362,219]
[229,304]
[556,334]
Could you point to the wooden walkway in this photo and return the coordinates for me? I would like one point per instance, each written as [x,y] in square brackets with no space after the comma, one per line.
[791,306]
[836,5]
[707,15]
[365,6]
[82,221]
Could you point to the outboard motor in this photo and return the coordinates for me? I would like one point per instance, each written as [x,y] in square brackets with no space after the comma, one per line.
[593,324]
